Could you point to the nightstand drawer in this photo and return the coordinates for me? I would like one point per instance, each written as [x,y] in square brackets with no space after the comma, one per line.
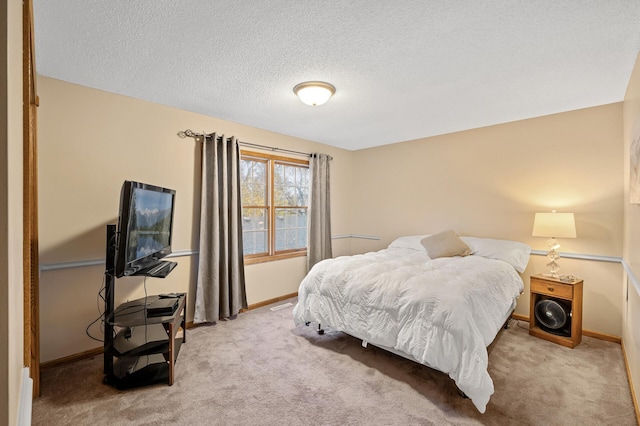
[564,291]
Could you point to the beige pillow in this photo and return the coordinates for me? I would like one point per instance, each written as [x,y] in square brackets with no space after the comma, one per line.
[445,244]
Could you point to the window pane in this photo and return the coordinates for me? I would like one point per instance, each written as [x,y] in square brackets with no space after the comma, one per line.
[280,218]
[291,189]
[304,195]
[278,174]
[291,196]
[302,218]
[279,198]
[258,195]
[290,175]
[253,182]
[303,178]
[302,237]
[254,242]
[254,231]
[291,229]
[260,171]
[254,219]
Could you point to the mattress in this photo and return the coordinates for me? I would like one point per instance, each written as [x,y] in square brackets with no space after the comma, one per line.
[442,313]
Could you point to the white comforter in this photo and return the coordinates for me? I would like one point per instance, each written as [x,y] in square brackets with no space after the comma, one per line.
[442,313]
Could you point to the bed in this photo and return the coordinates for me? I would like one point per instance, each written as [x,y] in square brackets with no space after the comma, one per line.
[440,311]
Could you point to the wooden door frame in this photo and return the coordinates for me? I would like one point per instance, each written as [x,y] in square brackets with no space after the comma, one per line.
[31,267]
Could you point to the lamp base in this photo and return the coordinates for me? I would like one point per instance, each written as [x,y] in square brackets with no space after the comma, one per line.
[553,265]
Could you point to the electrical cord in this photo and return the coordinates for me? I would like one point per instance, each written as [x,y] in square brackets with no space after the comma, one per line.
[89,334]
[511,320]
[100,318]
[518,324]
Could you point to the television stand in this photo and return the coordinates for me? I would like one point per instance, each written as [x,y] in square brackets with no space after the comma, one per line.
[146,347]
[141,349]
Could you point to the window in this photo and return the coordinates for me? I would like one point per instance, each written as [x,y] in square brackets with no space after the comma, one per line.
[275,194]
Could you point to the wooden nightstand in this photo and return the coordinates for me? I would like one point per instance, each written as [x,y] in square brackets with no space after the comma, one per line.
[565,293]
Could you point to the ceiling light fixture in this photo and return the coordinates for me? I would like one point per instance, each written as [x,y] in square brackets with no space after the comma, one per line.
[314,93]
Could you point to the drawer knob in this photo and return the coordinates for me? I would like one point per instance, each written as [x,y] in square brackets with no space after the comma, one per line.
[550,288]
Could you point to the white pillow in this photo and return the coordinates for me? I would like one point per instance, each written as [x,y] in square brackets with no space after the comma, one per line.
[445,244]
[514,253]
[408,242]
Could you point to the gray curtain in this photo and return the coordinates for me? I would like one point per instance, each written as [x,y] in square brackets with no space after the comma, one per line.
[319,210]
[220,288]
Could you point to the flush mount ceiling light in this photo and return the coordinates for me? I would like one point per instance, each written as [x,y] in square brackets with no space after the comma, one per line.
[314,93]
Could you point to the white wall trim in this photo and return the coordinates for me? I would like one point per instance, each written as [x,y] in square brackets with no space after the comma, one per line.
[582,256]
[600,258]
[95,262]
[180,253]
[632,277]
[615,259]
[26,399]
[364,237]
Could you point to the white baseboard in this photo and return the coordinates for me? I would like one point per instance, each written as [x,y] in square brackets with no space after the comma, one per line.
[26,399]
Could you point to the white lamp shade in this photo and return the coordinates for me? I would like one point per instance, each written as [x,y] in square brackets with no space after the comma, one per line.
[555,225]
[314,93]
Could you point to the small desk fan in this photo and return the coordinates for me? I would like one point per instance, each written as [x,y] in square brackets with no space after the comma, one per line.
[554,316]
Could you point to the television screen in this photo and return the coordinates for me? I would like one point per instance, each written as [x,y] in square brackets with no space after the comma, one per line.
[144,226]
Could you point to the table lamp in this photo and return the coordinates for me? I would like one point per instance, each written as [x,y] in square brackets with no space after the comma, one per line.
[561,225]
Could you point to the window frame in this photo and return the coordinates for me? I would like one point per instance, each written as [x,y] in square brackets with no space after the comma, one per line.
[271,161]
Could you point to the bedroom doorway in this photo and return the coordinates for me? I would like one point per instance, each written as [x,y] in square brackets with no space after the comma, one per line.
[31,311]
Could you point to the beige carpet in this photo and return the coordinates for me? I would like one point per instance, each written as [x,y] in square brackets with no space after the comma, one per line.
[261,370]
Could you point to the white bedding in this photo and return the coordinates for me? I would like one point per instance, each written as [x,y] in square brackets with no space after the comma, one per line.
[442,313]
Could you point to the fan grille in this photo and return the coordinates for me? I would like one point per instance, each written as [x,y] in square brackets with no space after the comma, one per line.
[551,314]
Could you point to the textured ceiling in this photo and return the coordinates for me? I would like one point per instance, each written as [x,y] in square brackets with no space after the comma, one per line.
[403,70]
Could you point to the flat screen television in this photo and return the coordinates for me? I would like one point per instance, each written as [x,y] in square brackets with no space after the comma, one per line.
[145,223]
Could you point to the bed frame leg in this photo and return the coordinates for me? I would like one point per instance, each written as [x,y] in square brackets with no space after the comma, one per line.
[506,323]
[320,330]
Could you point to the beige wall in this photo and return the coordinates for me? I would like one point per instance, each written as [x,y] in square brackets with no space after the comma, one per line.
[489,182]
[11,286]
[483,182]
[631,295]
[90,141]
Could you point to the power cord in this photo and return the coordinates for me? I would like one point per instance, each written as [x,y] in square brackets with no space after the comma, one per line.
[518,324]
[511,320]
[99,297]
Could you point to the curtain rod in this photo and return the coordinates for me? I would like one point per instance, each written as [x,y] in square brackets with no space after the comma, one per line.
[189,133]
